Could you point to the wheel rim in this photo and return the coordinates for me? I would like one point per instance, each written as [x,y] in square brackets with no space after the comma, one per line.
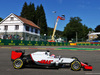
[18,63]
[76,65]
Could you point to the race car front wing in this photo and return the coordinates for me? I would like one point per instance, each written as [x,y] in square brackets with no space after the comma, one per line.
[86,67]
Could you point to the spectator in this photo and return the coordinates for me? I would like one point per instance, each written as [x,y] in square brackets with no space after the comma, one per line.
[21,38]
[1,36]
[18,37]
[9,36]
[15,37]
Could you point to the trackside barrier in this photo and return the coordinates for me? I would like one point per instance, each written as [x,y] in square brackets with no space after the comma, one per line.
[30,43]
[73,44]
[88,43]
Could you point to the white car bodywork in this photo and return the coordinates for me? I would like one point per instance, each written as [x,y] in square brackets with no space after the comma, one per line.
[44,58]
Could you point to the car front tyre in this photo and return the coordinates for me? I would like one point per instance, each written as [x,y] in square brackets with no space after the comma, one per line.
[75,66]
[18,63]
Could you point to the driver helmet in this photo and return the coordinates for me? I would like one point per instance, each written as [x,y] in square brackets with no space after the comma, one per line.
[52,55]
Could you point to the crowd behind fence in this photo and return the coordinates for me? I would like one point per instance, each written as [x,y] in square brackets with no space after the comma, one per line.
[10,36]
[42,38]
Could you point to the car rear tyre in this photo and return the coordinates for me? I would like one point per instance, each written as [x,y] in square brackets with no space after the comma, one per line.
[18,63]
[75,66]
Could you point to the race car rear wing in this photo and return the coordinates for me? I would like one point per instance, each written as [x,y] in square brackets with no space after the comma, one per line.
[17,54]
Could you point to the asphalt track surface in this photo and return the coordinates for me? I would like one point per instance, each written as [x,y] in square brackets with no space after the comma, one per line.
[92,57]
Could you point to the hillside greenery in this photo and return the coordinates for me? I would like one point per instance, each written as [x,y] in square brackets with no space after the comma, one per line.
[37,15]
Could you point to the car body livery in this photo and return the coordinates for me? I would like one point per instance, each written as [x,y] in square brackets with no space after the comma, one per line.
[44,59]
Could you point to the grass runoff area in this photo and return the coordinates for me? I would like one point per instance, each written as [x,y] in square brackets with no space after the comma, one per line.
[85,49]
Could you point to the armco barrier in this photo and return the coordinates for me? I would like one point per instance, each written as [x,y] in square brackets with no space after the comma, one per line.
[30,43]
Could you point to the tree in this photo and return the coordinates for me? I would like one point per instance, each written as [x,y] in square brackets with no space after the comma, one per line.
[42,21]
[24,12]
[97,29]
[72,27]
[58,32]
[1,19]
[86,31]
[31,13]
[90,29]
[38,15]
[28,12]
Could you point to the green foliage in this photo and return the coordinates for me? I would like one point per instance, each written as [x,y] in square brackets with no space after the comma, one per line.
[42,21]
[24,12]
[1,19]
[31,13]
[97,29]
[86,31]
[37,16]
[58,32]
[74,26]
[28,12]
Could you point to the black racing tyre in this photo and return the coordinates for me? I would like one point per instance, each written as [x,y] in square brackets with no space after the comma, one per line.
[75,65]
[18,63]
[75,58]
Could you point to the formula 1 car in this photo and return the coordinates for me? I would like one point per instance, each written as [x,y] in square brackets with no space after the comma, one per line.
[44,59]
